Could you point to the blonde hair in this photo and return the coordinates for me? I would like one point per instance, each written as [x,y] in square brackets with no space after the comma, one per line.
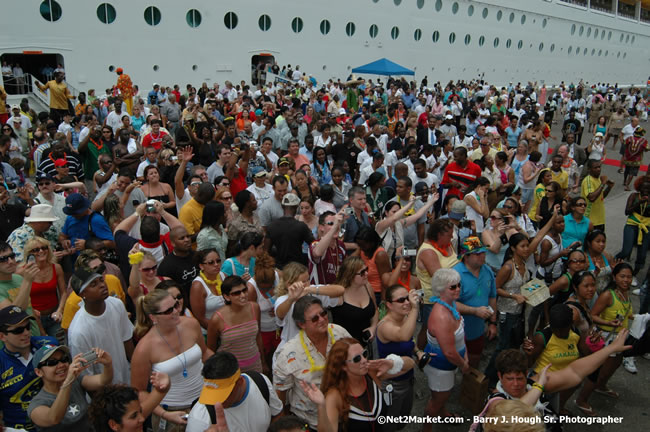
[290,274]
[146,255]
[513,416]
[144,306]
[348,270]
[37,242]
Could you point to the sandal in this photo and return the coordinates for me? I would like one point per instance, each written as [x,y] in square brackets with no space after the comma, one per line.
[589,411]
[607,392]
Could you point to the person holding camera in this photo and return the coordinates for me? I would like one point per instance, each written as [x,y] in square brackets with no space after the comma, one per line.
[62,403]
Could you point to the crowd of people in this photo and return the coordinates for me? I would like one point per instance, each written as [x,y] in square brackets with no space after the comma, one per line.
[262,257]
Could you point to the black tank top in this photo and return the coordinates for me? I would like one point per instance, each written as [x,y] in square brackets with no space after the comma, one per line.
[354,319]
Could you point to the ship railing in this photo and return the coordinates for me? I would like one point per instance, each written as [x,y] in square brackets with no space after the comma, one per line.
[26,86]
[582,3]
[34,90]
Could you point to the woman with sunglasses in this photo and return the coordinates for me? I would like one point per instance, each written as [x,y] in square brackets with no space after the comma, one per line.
[48,291]
[205,293]
[600,261]
[395,336]
[212,234]
[357,310]
[350,397]
[224,196]
[172,344]
[174,290]
[445,341]
[235,327]
[501,226]
[401,274]
[62,403]
[552,196]
[576,224]
[562,287]
[512,205]
[13,151]
[143,278]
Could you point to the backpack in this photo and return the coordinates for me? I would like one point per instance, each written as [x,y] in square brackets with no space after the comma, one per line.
[259,381]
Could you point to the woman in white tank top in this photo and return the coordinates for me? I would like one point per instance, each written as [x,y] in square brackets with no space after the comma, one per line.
[477,203]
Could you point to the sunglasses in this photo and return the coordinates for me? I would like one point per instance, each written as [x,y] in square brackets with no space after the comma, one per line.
[318,316]
[330,223]
[47,183]
[357,358]
[196,183]
[579,261]
[581,205]
[399,300]
[238,292]
[508,207]
[100,269]
[19,330]
[454,287]
[226,197]
[39,249]
[169,310]
[6,129]
[53,362]
[7,257]
[213,262]
[224,184]
[363,272]
[149,269]
[178,298]
[549,190]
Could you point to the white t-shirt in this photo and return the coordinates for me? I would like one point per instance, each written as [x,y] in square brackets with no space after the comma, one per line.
[107,331]
[261,194]
[430,179]
[180,202]
[249,415]
[145,163]
[114,120]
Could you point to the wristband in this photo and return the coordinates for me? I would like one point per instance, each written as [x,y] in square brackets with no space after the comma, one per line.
[538,386]
[398,364]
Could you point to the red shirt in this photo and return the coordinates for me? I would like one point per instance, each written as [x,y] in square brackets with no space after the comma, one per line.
[238,182]
[323,270]
[155,141]
[465,176]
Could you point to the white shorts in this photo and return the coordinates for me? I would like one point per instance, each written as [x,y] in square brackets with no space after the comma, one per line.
[439,380]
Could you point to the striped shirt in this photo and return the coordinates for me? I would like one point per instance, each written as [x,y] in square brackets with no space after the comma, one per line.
[47,166]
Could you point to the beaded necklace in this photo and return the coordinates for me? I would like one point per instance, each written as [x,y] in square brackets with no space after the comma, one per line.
[214,282]
[313,367]
[451,307]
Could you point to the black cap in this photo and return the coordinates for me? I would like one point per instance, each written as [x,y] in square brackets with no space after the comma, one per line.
[43,176]
[12,315]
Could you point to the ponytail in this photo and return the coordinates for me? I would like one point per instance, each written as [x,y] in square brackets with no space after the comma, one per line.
[144,306]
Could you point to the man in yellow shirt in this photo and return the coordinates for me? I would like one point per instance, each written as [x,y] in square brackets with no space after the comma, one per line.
[594,189]
[191,213]
[59,95]
[560,176]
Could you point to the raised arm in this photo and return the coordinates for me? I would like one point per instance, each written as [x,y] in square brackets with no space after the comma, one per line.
[186,156]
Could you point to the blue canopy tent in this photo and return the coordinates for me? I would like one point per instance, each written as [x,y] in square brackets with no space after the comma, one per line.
[383,67]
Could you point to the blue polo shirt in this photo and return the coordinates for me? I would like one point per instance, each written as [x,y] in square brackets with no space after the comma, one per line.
[19,384]
[574,231]
[78,228]
[475,292]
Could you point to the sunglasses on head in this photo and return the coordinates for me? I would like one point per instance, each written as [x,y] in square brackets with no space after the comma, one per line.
[357,358]
[54,362]
[7,257]
[169,310]
[213,262]
[19,330]
[318,316]
[39,249]
[149,269]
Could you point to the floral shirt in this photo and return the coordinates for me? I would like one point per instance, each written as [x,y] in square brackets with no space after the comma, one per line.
[21,235]
[292,365]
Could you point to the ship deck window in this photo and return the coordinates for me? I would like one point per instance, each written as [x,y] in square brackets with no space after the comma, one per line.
[350,29]
[438,5]
[499,15]
[523,19]
[552,47]
[468,39]
[481,41]
[106,13]
[417,35]
[470,10]
[230,20]
[193,18]
[573,29]
[508,43]
[520,44]
[397,2]
[325,27]
[373,31]
[544,22]
[152,16]
[435,36]
[541,46]
[296,25]
[264,22]
[394,33]
[51,10]
[454,8]
[512,17]
[485,13]
[420,4]
[452,37]
[496,42]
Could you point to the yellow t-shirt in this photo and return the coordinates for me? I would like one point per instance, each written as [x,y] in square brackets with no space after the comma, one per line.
[540,192]
[561,178]
[559,352]
[595,210]
[3,100]
[73,303]
[58,94]
[191,215]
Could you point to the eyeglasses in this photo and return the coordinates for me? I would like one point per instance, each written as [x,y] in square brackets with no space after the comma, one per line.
[149,269]
[39,249]
[7,257]
[357,358]
[578,261]
[169,310]
[318,316]
[581,205]
[363,272]
[53,362]
[213,262]
[454,287]
[238,292]
[399,300]
[19,330]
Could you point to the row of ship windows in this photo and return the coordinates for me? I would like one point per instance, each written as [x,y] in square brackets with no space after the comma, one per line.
[106,13]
